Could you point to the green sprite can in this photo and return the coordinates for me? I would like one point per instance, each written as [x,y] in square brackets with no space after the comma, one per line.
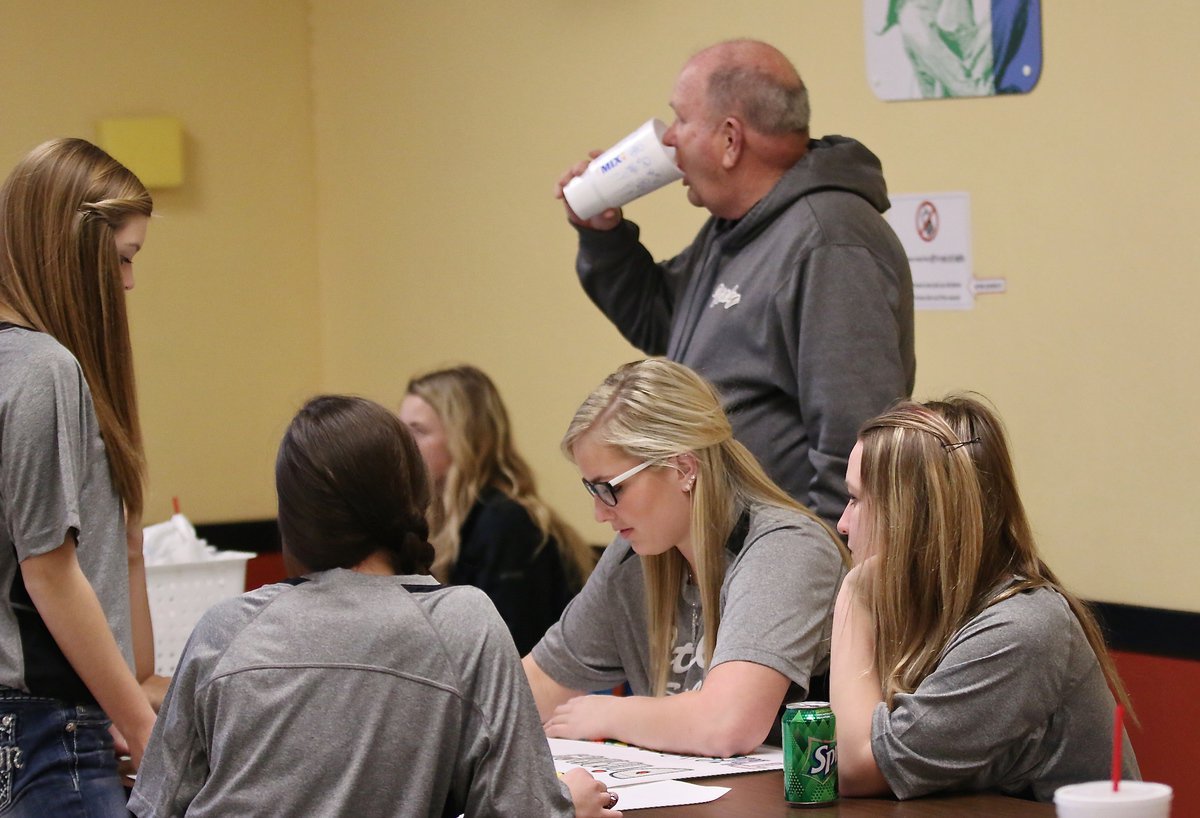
[809,754]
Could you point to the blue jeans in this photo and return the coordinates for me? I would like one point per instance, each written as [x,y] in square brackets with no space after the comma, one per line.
[56,760]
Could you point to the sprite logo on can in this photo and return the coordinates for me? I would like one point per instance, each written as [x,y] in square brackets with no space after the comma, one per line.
[809,754]
[822,758]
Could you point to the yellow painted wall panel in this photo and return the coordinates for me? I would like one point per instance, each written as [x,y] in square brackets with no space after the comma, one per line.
[440,130]
[368,194]
[225,314]
[150,146]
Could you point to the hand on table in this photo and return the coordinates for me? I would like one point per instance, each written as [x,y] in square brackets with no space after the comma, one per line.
[583,717]
[592,799]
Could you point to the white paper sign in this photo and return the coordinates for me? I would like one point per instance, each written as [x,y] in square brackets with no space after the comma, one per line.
[935,229]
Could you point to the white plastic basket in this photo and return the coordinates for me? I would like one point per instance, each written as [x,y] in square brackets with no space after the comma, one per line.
[181,592]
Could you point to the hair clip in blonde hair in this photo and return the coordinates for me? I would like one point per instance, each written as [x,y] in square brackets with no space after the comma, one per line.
[952,446]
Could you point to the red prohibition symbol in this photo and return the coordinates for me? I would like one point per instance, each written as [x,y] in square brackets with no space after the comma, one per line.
[927,221]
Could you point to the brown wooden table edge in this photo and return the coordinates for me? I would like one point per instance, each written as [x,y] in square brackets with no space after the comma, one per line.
[760,795]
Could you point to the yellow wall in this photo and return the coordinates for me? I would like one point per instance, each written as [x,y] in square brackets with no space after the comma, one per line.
[225,317]
[369,195]
[441,128]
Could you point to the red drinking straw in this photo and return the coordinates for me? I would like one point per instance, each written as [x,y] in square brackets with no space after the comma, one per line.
[175,504]
[1118,721]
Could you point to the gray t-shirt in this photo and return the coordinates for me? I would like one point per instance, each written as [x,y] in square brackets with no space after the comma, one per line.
[1018,703]
[54,479]
[776,610]
[350,694]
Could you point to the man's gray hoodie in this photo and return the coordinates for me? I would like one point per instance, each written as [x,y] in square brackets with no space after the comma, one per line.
[800,313]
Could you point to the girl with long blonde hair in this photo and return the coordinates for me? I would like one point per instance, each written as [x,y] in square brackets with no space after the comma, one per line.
[488,525]
[718,589]
[75,614]
[960,662]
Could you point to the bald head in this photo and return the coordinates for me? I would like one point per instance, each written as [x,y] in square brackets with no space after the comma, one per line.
[741,122]
[755,82]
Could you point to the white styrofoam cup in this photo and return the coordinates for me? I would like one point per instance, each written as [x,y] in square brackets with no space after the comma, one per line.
[1096,799]
[635,166]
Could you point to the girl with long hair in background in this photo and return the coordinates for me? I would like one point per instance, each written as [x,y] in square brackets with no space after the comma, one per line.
[489,526]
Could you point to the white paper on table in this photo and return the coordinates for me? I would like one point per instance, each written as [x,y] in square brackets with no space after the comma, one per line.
[616,765]
[665,794]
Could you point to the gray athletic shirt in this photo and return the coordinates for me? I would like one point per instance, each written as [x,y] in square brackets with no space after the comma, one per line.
[776,610]
[1018,704]
[54,479]
[350,694]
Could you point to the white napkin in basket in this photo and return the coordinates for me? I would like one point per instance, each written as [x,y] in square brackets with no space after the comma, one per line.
[173,542]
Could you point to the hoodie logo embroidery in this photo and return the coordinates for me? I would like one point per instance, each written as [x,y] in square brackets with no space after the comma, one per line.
[725,296]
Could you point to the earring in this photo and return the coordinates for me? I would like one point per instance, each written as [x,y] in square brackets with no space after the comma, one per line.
[691,482]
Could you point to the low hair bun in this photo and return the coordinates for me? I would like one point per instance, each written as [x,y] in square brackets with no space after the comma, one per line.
[351,483]
[415,554]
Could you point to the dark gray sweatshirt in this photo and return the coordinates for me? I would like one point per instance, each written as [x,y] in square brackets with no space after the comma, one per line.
[800,313]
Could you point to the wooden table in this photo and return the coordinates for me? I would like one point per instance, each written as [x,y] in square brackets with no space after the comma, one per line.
[760,795]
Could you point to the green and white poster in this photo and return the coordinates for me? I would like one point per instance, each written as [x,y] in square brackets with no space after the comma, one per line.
[930,49]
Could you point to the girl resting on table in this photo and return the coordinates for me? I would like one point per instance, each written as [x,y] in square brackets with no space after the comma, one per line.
[959,660]
[363,687]
[74,614]
[488,525]
[718,588]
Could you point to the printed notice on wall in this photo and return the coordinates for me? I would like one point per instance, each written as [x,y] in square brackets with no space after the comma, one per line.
[935,229]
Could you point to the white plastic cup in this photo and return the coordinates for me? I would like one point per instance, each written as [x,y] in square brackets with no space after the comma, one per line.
[635,166]
[1096,799]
